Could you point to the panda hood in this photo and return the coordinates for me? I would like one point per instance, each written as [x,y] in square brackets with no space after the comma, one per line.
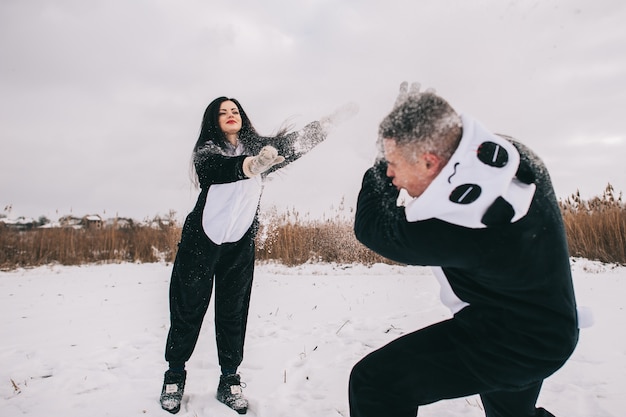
[478,187]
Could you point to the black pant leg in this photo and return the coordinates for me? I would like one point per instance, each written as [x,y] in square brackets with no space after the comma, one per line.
[432,364]
[417,369]
[233,287]
[518,403]
[191,286]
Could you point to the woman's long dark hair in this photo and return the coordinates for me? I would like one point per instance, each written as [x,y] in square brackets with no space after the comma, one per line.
[210,129]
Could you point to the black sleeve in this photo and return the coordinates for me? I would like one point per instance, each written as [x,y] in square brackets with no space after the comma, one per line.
[382,226]
[213,167]
[296,144]
[377,213]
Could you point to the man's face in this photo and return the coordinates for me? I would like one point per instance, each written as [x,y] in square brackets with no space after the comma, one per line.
[409,170]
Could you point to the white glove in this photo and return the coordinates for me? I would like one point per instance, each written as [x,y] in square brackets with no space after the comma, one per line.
[267,158]
[406,92]
[340,115]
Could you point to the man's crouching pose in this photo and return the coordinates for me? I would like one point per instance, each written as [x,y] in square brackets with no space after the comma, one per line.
[485,216]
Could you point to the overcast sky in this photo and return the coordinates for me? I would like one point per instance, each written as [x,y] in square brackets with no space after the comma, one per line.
[101,101]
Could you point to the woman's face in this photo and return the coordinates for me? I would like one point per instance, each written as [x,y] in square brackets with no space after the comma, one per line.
[229,118]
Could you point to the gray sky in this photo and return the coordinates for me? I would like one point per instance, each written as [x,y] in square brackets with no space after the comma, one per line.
[101,101]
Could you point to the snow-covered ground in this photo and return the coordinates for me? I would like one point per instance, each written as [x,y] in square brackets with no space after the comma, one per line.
[88,341]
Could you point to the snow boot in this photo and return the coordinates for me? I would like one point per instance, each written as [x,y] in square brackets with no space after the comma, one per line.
[173,389]
[230,393]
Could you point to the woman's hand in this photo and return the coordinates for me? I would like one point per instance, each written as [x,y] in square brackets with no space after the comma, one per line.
[267,158]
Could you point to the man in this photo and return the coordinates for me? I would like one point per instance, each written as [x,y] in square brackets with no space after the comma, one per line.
[485,216]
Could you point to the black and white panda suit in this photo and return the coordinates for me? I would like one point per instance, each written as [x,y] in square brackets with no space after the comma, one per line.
[217,246]
[491,227]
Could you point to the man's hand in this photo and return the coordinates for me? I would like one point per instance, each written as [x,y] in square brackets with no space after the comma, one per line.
[406,92]
[267,158]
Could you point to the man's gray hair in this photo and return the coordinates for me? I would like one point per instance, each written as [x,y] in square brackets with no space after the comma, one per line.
[425,121]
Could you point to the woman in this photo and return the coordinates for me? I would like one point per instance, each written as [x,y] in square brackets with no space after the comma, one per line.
[217,244]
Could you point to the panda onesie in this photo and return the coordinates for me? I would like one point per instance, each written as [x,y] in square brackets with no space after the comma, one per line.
[490,225]
[217,246]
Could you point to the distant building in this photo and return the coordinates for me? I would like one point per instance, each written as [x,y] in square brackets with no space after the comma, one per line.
[88,222]
[70,222]
[21,223]
[119,223]
[92,221]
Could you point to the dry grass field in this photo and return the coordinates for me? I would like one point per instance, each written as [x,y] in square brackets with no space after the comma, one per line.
[596,230]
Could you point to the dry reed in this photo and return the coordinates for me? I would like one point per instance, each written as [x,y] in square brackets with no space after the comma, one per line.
[596,230]
[68,246]
[330,241]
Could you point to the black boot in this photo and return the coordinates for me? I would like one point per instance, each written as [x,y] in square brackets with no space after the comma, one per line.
[172,391]
[230,393]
